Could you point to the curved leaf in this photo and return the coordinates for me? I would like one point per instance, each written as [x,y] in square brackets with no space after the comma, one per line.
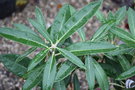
[86,48]
[71,57]
[127,74]
[79,19]
[66,69]
[17,68]
[76,83]
[22,37]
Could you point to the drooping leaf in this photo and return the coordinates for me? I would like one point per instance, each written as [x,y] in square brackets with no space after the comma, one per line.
[62,16]
[49,73]
[86,48]
[34,78]
[19,68]
[71,57]
[127,74]
[79,19]
[60,85]
[42,30]
[22,37]
[131,21]
[37,59]
[124,35]
[40,17]
[76,82]
[65,70]
[24,28]
[26,53]
[90,72]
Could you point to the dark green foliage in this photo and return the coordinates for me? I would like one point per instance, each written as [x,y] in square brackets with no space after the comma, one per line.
[101,58]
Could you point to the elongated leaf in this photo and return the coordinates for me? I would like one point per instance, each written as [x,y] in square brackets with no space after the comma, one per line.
[82,34]
[60,85]
[120,14]
[65,70]
[127,74]
[22,37]
[40,18]
[71,57]
[24,28]
[101,76]
[101,32]
[79,19]
[62,16]
[26,53]
[131,21]
[124,35]
[90,73]
[33,79]
[76,83]
[100,16]
[40,29]
[86,48]
[124,62]
[49,73]
[37,59]
[17,68]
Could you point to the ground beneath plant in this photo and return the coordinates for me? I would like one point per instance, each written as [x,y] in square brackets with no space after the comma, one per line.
[9,81]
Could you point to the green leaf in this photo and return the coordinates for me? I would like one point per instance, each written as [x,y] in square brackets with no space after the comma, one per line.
[40,29]
[100,16]
[71,57]
[100,76]
[86,48]
[37,59]
[60,85]
[24,28]
[79,19]
[90,73]
[101,32]
[82,34]
[127,74]
[26,53]
[49,73]
[22,37]
[33,79]
[120,14]
[76,83]
[131,21]
[124,35]
[40,18]
[124,62]
[62,16]
[17,68]
[65,70]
